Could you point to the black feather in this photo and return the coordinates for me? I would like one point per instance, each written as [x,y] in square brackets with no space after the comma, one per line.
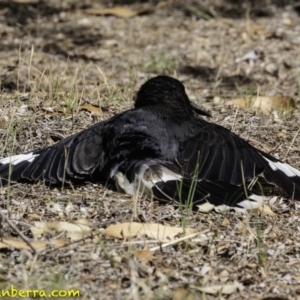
[163,129]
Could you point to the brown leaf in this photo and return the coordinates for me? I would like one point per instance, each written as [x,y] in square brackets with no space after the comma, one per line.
[54,110]
[279,103]
[152,230]
[4,122]
[221,246]
[287,21]
[266,210]
[34,216]
[92,108]
[296,278]
[238,102]
[261,30]
[125,12]
[75,231]
[122,12]
[183,294]
[241,227]
[272,297]
[225,222]
[265,104]
[224,276]
[282,134]
[38,245]
[26,1]
[145,254]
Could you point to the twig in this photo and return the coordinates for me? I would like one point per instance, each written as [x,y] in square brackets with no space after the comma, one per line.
[265,148]
[178,240]
[291,145]
[232,127]
[22,236]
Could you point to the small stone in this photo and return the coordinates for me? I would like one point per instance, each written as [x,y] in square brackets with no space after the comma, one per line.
[271,68]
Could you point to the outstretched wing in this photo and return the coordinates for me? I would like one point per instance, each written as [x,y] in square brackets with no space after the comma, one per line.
[216,166]
[75,157]
[120,144]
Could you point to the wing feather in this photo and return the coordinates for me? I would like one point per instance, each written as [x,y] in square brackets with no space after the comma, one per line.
[228,159]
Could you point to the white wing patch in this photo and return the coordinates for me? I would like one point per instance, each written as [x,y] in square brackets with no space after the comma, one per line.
[256,202]
[165,175]
[16,159]
[285,168]
[245,205]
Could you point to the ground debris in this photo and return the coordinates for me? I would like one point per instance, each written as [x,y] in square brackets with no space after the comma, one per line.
[56,59]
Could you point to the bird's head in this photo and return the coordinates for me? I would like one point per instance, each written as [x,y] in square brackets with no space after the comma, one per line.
[168,95]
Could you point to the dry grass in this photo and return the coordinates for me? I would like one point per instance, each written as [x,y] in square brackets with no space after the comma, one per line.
[52,63]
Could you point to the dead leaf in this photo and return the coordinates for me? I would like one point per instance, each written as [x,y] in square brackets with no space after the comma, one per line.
[182,293]
[38,245]
[75,231]
[153,230]
[287,21]
[26,1]
[54,207]
[279,103]
[261,30]
[91,108]
[272,297]
[265,210]
[56,109]
[69,208]
[223,289]
[4,122]
[124,12]
[282,135]
[224,276]
[222,246]
[21,110]
[49,109]
[3,190]
[225,222]
[241,227]
[145,254]
[296,278]
[265,104]
[34,216]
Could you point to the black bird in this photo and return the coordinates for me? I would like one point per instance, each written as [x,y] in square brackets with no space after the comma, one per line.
[164,148]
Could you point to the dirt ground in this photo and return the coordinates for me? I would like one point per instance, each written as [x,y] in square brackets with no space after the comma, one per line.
[55,56]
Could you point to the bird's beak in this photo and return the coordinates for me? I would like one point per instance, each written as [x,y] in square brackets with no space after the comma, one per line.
[198,110]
